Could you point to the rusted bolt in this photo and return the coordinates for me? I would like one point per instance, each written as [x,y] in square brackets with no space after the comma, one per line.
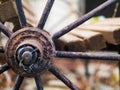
[27,57]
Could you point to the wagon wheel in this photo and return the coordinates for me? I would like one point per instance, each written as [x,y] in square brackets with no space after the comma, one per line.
[30,50]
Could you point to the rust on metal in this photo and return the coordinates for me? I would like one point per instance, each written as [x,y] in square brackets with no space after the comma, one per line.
[30,52]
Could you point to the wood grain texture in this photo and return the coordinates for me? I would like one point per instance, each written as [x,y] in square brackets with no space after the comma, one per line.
[110,33]
[70,42]
[94,40]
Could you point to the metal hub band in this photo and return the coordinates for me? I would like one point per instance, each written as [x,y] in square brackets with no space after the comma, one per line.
[30,52]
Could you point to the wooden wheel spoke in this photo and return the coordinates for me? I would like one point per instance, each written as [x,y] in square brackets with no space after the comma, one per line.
[18,83]
[64,79]
[4,68]
[21,14]
[1,49]
[45,13]
[39,83]
[89,55]
[5,30]
[82,19]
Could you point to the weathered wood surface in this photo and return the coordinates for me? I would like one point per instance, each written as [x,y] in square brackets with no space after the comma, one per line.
[7,11]
[110,33]
[70,43]
[95,35]
[93,40]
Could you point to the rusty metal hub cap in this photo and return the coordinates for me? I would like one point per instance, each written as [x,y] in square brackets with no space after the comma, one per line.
[30,52]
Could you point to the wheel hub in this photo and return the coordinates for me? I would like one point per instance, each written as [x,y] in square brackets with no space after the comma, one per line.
[30,52]
[27,54]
